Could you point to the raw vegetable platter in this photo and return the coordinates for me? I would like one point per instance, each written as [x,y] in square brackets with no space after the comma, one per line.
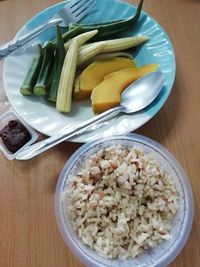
[45,118]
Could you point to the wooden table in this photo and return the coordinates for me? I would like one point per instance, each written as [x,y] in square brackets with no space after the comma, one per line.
[29,236]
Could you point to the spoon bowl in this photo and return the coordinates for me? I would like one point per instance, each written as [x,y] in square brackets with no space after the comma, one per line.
[142,92]
[135,97]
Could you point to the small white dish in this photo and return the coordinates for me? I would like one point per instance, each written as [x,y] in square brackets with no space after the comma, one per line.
[4,119]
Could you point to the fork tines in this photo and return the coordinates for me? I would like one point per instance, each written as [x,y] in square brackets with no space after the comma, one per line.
[81,7]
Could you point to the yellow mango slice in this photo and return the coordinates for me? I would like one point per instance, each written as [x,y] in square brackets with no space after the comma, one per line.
[107,94]
[95,73]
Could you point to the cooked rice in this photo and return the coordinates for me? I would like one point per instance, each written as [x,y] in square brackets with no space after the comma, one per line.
[121,202]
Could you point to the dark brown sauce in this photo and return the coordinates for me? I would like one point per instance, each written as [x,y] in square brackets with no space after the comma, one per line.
[14,135]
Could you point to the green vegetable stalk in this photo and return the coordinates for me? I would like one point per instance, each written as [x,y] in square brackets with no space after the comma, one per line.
[107,29]
[70,34]
[57,68]
[32,74]
[42,83]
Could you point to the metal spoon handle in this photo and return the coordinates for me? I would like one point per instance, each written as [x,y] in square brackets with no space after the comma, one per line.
[11,46]
[44,145]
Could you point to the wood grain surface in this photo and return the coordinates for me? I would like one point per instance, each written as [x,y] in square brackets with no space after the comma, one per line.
[29,236]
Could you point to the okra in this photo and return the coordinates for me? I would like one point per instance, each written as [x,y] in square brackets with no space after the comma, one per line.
[69,34]
[40,89]
[107,29]
[32,74]
[57,66]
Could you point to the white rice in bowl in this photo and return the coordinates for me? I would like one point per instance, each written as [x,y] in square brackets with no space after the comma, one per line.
[121,202]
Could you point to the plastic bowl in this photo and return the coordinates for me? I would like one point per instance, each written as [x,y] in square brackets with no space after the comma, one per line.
[164,253]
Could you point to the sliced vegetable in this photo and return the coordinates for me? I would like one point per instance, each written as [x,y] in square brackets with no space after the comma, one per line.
[107,94]
[57,67]
[95,73]
[42,83]
[64,96]
[111,28]
[32,74]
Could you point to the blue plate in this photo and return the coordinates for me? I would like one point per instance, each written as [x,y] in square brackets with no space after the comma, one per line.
[45,118]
